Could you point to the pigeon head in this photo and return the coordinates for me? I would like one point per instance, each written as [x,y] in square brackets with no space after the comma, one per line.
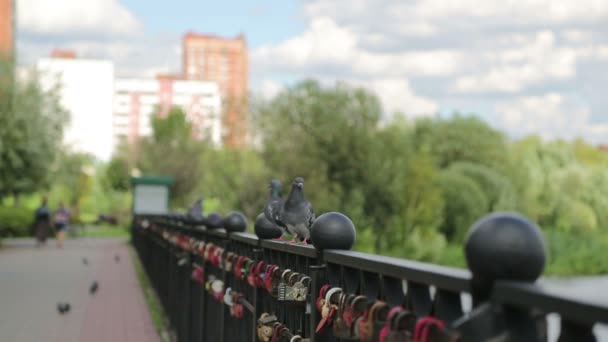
[298,182]
[276,188]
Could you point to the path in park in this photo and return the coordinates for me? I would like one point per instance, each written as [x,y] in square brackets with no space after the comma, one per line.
[33,280]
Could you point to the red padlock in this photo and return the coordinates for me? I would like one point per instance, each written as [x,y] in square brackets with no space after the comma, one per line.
[258,274]
[321,299]
[268,277]
[251,276]
[387,324]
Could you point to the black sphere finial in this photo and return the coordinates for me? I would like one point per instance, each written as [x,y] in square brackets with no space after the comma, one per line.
[333,230]
[265,229]
[235,222]
[214,221]
[504,246]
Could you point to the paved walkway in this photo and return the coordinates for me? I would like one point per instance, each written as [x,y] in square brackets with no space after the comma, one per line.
[33,280]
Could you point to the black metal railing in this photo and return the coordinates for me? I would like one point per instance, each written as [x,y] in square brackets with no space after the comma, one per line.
[220,286]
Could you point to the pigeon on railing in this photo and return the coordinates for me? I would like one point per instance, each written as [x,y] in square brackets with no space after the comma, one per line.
[196,210]
[272,210]
[297,213]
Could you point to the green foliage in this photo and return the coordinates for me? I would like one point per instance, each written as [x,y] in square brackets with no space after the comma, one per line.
[463,139]
[117,175]
[575,254]
[465,202]
[172,151]
[105,231]
[573,215]
[233,179]
[30,132]
[15,221]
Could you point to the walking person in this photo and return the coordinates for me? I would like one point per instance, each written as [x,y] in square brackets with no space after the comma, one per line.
[42,223]
[62,221]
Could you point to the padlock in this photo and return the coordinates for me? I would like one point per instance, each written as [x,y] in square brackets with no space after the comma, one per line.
[328,311]
[228,297]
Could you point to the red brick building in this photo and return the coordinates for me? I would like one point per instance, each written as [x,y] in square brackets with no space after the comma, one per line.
[225,61]
[7,27]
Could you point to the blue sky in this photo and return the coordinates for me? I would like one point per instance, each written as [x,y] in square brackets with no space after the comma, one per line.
[263,22]
[527,67]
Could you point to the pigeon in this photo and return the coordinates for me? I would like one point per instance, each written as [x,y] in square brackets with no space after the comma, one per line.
[297,213]
[93,287]
[274,205]
[117,258]
[196,210]
[85,261]
[63,308]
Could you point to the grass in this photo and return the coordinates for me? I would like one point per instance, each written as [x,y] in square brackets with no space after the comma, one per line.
[156,311]
[104,231]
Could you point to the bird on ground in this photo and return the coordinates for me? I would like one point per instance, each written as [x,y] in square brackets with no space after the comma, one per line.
[93,287]
[297,212]
[63,307]
[117,258]
[274,204]
[85,261]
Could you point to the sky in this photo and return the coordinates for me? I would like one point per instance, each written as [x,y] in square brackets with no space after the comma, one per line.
[526,67]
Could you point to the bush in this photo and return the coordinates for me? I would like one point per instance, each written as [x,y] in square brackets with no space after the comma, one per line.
[572,254]
[15,222]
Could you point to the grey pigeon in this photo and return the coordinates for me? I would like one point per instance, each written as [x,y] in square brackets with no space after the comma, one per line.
[63,307]
[117,258]
[93,287]
[196,210]
[297,213]
[85,261]
[272,210]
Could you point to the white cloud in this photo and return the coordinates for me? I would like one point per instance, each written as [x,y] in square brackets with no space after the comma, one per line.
[326,45]
[396,95]
[323,42]
[269,88]
[428,17]
[75,17]
[514,68]
[551,116]
[551,11]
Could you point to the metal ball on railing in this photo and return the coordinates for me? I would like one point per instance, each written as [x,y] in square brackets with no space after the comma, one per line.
[265,229]
[505,246]
[214,221]
[333,230]
[235,222]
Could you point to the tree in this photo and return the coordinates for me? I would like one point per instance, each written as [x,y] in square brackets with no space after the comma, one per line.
[172,151]
[31,132]
[462,139]
[464,202]
[117,175]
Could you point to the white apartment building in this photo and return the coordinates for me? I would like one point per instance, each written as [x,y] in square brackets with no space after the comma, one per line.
[87,91]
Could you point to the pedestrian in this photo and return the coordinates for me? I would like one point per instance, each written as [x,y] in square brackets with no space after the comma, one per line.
[62,221]
[42,222]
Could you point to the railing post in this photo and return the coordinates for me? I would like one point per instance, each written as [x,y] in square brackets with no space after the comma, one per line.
[506,246]
[318,278]
[258,254]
